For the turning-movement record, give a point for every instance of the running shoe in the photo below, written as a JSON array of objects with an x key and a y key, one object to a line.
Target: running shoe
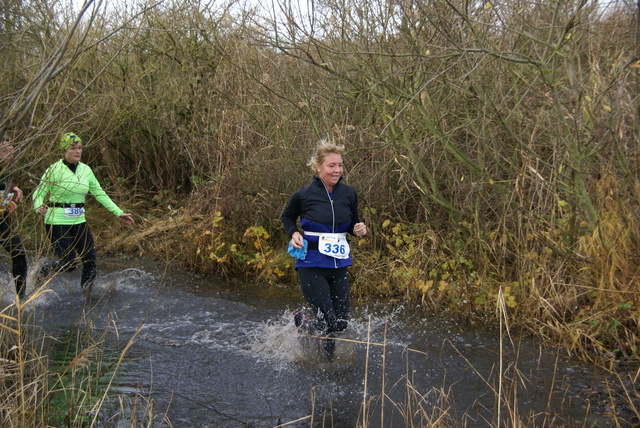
[
  {"x": 48, "y": 268},
  {"x": 87, "y": 290},
  {"x": 303, "y": 323},
  {"x": 297, "y": 318}
]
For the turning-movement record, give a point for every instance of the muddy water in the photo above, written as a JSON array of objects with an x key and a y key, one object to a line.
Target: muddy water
[{"x": 218, "y": 354}]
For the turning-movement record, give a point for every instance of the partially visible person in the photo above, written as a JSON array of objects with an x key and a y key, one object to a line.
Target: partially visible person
[
  {"x": 60, "y": 198},
  {"x": 10, "y": 194},
  {"x": 328, "y": 210}
]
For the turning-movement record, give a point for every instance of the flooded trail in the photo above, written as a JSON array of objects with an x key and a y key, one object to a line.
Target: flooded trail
[{"x": 212, "y": 353}]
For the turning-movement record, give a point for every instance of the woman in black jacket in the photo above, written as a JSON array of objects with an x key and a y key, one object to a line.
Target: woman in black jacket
[
  {"x": 328, "y": 210},
  {"x": 10, "y": 194}
]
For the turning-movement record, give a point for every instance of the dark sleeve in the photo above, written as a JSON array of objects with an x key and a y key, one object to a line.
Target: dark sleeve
[
  {"x": 291, "y": 213},
  {"x": 4, "y": 181}
]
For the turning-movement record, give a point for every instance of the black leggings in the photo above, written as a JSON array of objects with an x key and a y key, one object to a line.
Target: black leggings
[
  {"x": 71, "y": 241},
  {"x": 327, "y": 291},
  {"x": 11, "y": 242}
]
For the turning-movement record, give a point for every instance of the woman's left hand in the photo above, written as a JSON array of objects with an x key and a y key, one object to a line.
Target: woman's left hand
[
  {"x": 127, "y": 218},
  {"x": 42, "y": 209},
  {"x": 360, "y": 229}
]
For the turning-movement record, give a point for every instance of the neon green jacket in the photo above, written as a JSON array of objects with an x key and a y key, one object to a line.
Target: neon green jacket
[{"x": 65, "y": 187}]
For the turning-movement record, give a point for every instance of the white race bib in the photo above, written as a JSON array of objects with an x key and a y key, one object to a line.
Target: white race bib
[
  {"x": 73, "y": 212},
  {"x": 334, "y": 245}
]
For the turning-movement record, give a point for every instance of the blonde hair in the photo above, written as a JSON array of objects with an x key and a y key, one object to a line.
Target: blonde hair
[{"x": 324, "y": 148}]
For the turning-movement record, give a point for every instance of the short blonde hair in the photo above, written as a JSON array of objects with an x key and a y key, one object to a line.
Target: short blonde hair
[{"x": 324, "y": 148}]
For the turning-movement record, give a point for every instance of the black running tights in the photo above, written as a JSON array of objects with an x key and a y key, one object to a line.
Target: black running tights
[
  {"x": 11, "y": 242},
  {"x": 71, "y": 241},
  {"x": 327, "y": 291}
]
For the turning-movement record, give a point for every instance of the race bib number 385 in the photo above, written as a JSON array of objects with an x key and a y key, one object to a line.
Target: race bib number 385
[
  {"x": 73, "y": 212},
  {"x": 334, "y": 245}
]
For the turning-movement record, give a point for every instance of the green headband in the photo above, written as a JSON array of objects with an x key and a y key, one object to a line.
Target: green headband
[{"x": 68, "y": 139}]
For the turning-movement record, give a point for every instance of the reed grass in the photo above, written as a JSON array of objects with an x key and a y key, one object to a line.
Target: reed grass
[
  {"x": 59, "y": 381},
  {"x": 24, "y": 370},
  {"x": 437, "y": 407}
]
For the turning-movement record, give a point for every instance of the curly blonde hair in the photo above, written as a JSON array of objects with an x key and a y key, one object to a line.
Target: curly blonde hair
[{"x": 324, "y": 148}]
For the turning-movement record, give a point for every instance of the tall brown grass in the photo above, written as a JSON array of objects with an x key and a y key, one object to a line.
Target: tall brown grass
[
  {"x": 505, "y": 388},
  {"x": 23, "y": 372},
  {"x": 58, "y": 381}
]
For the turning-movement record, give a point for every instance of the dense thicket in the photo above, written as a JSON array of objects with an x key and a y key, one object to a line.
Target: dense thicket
[{"x": 494, "y": 144}]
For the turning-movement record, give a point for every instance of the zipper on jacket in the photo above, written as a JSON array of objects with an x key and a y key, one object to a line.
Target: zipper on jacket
[{"x": 333, "y": 218}]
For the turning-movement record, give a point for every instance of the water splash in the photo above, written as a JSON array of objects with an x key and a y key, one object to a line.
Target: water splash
[{"x": 279, "y": 341}]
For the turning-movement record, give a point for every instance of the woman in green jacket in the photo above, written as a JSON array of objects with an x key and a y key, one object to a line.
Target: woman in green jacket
[{"x": 60, "y": 199}]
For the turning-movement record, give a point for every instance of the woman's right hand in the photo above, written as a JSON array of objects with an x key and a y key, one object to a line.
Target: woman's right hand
[
  {"x": 297, "y": 241},
  {"x": 42, "y": 209}
]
